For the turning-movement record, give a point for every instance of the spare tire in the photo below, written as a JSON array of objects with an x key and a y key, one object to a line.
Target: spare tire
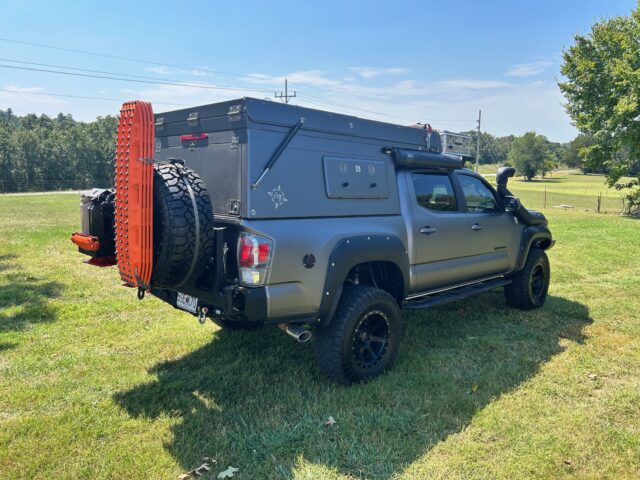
[{"x": 183, "y": 234}]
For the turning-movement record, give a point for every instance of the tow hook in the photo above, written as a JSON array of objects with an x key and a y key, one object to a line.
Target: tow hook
[
  {"x": 298, "y": 332},
  {"x": 202, "y": 315}
]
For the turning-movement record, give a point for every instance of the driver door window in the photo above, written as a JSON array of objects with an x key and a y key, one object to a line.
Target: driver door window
[{"x": 479, "y": 198}]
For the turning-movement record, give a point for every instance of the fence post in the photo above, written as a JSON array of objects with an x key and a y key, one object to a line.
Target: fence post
[
  {"x": 599, "y": 202},
  {"x": 545, "y": 197}
]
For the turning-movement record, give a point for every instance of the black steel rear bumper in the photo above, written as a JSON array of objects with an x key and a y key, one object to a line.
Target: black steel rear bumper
[
  {"x": 224, "y": 300},
  {"x": 234, "y": 303}
]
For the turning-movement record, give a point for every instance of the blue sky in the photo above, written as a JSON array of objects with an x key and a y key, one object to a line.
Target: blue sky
[{"x": 396, "y": 61}]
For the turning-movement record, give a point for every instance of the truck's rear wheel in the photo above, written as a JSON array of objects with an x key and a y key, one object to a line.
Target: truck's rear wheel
[
  {"x": 528, "y": 288},
  {"x": 182, "y": 226},
  {"x": 363, "y": 339}
]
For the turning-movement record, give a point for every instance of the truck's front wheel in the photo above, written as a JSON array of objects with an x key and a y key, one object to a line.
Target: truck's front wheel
[
  {"x": 528, "y": 288},
  {"x": 363, "y": 339}
]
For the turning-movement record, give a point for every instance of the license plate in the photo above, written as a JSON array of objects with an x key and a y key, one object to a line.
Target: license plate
[{"x": 187, "y": 302}]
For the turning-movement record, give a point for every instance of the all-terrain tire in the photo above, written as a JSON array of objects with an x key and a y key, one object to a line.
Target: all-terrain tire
[
  {"x": 529, "y": 287},
  {"x": 341, "y": 347},
  {"x": 182, "y": 246}
]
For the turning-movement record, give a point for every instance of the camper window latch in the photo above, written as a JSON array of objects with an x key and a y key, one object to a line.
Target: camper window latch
[{"x": 278, "y": 152}]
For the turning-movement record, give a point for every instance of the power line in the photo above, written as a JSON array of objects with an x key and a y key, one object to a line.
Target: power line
[
  {"x": 344, "y": 110},
  {"x": 217, "y": 72},
  {"x": 133, "y": 80},
  {"x": 144, "y": 77},
  {"x": 85, "y": 97},
  {"x": 329, "y": 103},
  {"x": 100, "y": 74},
  {"x": 349, "y": 93},
  {"x": 492, "y": 148},
  {"x": 489, "y": 149},
  {"x": 118, "y": 57},
  {"x": 341, "y": 109}
]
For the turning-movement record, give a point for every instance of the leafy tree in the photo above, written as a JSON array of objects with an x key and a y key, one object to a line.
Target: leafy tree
[
  {"x": 603, "y": 98},
  {"x": 572, "y": 155},
  {"x": 43, "y": 153},
  {"x": 528, "y": 154}
]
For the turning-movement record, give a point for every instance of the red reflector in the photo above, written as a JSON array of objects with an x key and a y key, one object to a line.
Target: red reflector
[
  {"x": 246, "y": 253},
  {"x": 191, "y": 138},
  {"x": 263, "y": 252}
]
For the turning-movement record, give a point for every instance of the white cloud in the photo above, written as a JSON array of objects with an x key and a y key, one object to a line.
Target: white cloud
[
  {"x": 160, "y": 70},
  {"x": 23, "y": 100},
  {"x": 371, "y": 72},
  {"x": 470, "y": 84},
  {"x": 316, "y": 78},
  {"x": 528, "y": 69}
]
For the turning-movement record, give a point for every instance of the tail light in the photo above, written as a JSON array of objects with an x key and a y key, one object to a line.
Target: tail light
[{"x": 254, "y": 255}]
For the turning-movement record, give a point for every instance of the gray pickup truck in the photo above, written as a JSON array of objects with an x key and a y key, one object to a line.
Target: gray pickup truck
[{"x": 323, "y": 224}]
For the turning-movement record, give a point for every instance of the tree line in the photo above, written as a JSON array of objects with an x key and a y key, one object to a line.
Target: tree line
[
  {"x": 533, "y": 154},
  {"x": 43, "y": 153}
]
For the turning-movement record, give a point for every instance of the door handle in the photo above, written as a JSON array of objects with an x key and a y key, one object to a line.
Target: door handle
[
  {"x": 428, "y": 230},
  {"x": 477, "y": 227}
]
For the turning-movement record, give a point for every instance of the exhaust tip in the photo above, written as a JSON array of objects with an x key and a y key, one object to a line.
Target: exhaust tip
[
  {"x": 304, "y": 336},
  {"x": 298, "y": 332}
]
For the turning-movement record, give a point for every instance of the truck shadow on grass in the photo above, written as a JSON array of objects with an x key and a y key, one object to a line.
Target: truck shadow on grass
[
  {"x": 255, "y": 400},
  {"x": 24, "y": 298}
]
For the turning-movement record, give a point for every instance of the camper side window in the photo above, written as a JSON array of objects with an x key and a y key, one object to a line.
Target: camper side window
[{"x": 435, "y": 192}]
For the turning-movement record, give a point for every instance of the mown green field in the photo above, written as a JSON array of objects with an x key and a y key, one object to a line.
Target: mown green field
[
  {"x": 565, "y": 189},
  {"x": 95, "y": 384}
]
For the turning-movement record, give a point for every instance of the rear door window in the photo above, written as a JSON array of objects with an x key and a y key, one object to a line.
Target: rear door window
[{"x": 434, "y": 192}]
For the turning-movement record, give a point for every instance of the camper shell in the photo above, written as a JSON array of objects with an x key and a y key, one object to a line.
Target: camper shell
[{"x": 332, "y": 165}]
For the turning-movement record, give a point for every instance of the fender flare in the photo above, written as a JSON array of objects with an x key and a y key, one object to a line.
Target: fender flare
[
  {"x": 352, "y": 251},
  {"x": 533, "y": 235}
]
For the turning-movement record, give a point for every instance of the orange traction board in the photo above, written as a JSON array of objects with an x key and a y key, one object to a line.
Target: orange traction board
[{"x": 134, "y": 193}]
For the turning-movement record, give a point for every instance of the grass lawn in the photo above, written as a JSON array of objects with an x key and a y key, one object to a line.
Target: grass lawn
[
  {"x": 95, "y": 384},
  {"x": 564, "y": 188}
]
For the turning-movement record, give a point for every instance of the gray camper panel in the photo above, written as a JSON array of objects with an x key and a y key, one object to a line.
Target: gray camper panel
[
  {"x": 218, "y": 158},
  {"x": 297, "y": 186}
]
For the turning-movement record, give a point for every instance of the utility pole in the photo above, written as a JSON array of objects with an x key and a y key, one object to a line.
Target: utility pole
[
  {"x": 286, "y": 95},
  {"x": 478, "y": 141}
]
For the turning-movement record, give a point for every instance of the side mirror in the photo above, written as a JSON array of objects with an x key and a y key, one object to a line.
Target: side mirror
[{"x": 511, "y": 203}]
